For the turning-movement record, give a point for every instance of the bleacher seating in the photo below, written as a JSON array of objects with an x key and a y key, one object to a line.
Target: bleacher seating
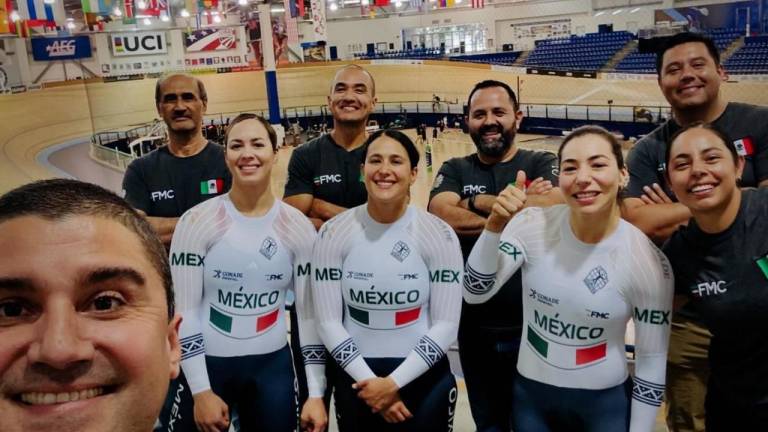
[
  {"x": 583, "y": 53},
  {"x": 645, "y": 63},
  {"x": 416, "y": 53},
  {"x": 637, "y": 62},
  {"x": 502, "y": 58},
  {"x": 592, "y": 51},
  {"x": 752, "y": 58}
]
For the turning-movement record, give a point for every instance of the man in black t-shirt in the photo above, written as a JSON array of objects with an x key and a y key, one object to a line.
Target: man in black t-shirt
[
  {"x": 689, "y": 75},
  {"x": 463, "y": 193},
  {"x": 189, "y": 170},
  {"x": 169, "y": 181},
  {"x": 324, "y": 174}
]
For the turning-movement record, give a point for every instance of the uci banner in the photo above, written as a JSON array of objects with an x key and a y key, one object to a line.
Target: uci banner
[
  {"x": 144, "y": 43},
  {"x": 63, "y": 48}
]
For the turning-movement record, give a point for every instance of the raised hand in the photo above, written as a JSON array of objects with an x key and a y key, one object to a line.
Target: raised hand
[{"x": 509, "y": 202}]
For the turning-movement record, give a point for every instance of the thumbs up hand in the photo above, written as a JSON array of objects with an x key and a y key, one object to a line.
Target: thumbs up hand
[{"x": 509, "y": 202}]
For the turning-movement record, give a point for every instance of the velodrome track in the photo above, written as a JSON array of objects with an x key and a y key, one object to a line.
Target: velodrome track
[
  {"x": 34, "y": 121},
  {"x": 37, "y": 126}
]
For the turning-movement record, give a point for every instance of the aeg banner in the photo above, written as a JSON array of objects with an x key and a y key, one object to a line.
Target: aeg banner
[
  {"x": 64, "y": 48},
  {"x": 144, "y": 43}
]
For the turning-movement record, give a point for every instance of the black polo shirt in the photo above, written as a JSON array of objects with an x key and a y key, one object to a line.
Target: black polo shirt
[
  {"x": 327, "y": 171},
  {"x": 163, "y": 185}
]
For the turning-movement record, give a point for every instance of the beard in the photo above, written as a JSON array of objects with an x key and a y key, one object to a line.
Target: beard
[{"x": 495, "y": 148}]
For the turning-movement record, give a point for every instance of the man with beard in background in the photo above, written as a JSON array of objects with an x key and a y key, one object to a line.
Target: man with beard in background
[{"x": 464, "y": 191}]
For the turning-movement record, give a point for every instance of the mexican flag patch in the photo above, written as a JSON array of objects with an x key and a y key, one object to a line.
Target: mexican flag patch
[
  {"x": 744, "y": 146},
  {"x": 211, "y": 187}
]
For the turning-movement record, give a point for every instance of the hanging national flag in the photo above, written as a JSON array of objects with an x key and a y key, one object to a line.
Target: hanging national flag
[
  {"x": 191, "y": 6},
  {"x": 478, "y": 4},
  {"x": 745, "y": 146},
  {"x": 156, "y": 7},
  {"x": 22, "y": 28},
  {"x": 301, "y": 7},
  {"x": 442, "y": 3},
  {"x": 381, "y": 3},
  {"x": 90, "y": 6},
  {"x": 40, "y": 25},
  {"x": 106, "y": 6},
  {"x": 211, "y": 187},
  {"x": 450, "y": 3},
  {"x": 128, "y": 8},
  {"x": 5, "y": 16},
  {"x": 291, "y": 8},
  {"x": 210, "y": 40},
  {"x": 291, "y": 23}
]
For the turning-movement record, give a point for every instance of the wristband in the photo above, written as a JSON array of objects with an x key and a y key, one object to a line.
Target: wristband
[{"x": 471, "y": 203}]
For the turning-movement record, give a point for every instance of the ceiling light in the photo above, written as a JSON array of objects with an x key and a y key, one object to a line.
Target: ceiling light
[
  {"x": 15, "y": 16},
  {"x": 600, "y": 13},
  {"x": 618, "y": 11},
  {"x": 117, "y": 12},
  {"x": 141, "y": 4},
  {"x": 71, "y": 25},
  {"x": 164, "y": 18},
  {"x": 398, "y": 3},
  {"x": 217, "y": 19},
  {"x": 184, "y": 13},
  {"x": 634, "y": 10},
  {"x": 242, "y": 2},
  {"x": 334, "y": 6}
]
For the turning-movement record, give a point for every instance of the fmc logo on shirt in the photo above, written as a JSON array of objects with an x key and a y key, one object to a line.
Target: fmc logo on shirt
[
  {"x": 326, "y": 178},
  {"x": 706, "y": 289},
  {"x": 473, "y": 189},
  {"x": 162, "y": 195}
]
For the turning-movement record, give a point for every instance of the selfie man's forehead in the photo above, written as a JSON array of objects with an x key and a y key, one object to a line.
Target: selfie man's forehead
[{"x": 86, "y": 248}]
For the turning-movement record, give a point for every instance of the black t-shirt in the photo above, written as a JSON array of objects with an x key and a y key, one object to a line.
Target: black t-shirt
[
  {"x": 467, "y": 176},
  {"x": 721, "y": 274},
  {"x": 163, "y": 185},
  {"x": 327, "y": 171},
  {"x": 745, "y": 124}
]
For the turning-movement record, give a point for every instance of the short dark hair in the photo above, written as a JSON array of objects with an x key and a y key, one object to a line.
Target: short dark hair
[
  {"x": 403, "y": 139},
  {"x": 492, "y": 83},
  {"x": 160, "y": 81},
  {"x": 59, "y": 198},
  {"x": 719, "y": 133},
  {"x": 250, "y": 116},
  {"x": 683, "y": 38}
]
